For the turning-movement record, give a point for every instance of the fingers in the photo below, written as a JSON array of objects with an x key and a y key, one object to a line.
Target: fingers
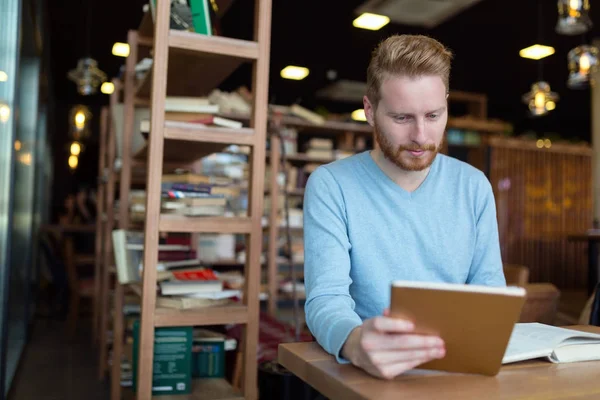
[
  {"x": 391, "y": 325},
  {"x": 384, "y": 358},
  {"x": 391, "y": 371},
  {"x": 373, "y": 341}
]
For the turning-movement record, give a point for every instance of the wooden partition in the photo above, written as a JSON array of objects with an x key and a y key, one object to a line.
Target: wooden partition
[{"x": 542, "y": 195}]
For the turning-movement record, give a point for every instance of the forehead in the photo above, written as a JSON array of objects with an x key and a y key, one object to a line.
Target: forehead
[{"x": 413, "y": 94}]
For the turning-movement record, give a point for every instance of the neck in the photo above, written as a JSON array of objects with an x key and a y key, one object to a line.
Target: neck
[{"x": 407, "y": 180}]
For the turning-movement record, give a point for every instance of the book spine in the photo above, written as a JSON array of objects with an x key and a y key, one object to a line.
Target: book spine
[{"x": 201, "y": 17}]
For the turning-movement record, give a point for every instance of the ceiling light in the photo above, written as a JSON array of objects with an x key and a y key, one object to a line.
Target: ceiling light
[
  {"x": 107, "y": 88},
  {"x": 540, "y": 99},
  {"x": 573, "y": 17},
  {"x": 359, "y": 115},
  {"x": 583, "y": 63},
  {"x": 3, "y": 76},
  {"x": 294, "y": 72},
  {"x": 120, "y": 49},
  {"x": 536, "y": 52},
  {"x": 370, "y": 21},
  {"x": 73, "y": 161}
]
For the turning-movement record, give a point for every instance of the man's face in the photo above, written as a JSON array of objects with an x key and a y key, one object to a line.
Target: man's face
[{"x": 410, "y": 120}]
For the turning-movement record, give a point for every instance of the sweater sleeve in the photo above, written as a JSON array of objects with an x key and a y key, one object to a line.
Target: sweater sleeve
[
  {"x": 486, "y": 266},
  {"x": 329, "y": 308}
]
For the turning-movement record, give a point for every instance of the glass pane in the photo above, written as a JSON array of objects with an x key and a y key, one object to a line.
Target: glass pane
[{"x": 10, "y": 11}]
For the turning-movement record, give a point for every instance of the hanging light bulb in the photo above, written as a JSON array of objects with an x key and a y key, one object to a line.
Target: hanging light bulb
[
  {"x": 540, "y": 99},
  {"x": 583, "y": 63},
  {"x": 75, "y": 148},
  {"x": 79, "y": 122},
  {"x": 87, "y": 76},
  {"x": 573, "y": 17},
  {"x": 73, "y": 161}
]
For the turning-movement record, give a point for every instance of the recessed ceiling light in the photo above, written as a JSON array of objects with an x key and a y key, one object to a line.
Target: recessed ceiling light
[
  {"x": 359, "y": 115},
  {"x": 294, "y": 72},
  {"x": 107, "y": 88},
  {"x": 537, "y": 52},
  {"x": 370, "y": 21},
  {"x": 120, "y": 49},
  {"x": 3, "y": 76}
]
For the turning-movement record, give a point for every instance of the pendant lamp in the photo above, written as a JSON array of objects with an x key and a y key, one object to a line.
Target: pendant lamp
[
  {"x": 87, "y": 76},
  {"x": 540, "y": 99},
  {"x": 583, "y": 63},
  {"x": 573, "y": 17}
]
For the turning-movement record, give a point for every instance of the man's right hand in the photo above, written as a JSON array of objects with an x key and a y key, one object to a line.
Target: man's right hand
[{"x": 387, "y": 347}]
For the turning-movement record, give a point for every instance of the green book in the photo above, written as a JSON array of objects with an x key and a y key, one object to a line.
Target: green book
[
  {"x": 201, "y": 17},
  {"x": 172, "y": 362},
  {"x": 208, "y": 358}
]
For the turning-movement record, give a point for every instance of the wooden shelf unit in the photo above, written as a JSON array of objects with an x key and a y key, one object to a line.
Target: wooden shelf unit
[
  {"x": 100, "y": 220},
  {"x": 106, "y": 201},
  {"x": 189, "y": 64},
  {"x": 344, "y": 133},
  {"x": 189, "y": 53}
]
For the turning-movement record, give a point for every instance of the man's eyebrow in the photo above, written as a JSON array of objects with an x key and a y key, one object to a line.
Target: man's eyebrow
[
  {"x": 395, "y": 113},
  {"x": 439, "y": 110}
]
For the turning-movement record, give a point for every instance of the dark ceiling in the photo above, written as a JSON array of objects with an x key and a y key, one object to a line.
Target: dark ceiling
[{"x": 485, "y": 39}]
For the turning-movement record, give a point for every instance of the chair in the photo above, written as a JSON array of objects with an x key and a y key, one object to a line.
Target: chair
[
  {"x": 541, "y": 302},
  {"x": 79, "y": 287},
  {"x": 516, "y": 275}
]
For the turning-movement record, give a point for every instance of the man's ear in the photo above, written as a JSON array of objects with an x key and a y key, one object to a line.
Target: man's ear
[{"x": 369, "y": 111}]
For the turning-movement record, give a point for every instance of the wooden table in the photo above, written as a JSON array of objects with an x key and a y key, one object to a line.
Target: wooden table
[{"x": 524, "y": 380}]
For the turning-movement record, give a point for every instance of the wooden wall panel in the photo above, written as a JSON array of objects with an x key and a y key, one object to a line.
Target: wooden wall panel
[{"x": 542, "y": 195}]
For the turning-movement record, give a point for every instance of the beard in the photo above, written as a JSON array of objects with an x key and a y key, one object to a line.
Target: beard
[{"x": 399, "y": 154}]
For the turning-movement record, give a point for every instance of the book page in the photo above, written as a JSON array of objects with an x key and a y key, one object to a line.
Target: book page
[{"x": 533, "y": 340}]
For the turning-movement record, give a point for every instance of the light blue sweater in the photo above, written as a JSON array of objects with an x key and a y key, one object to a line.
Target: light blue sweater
[{"x": 362, "y": 231}]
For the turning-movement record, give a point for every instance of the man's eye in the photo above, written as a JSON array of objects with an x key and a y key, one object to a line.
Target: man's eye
[
  {"x": 400, "y": 118},
  {"x": 433, "y": 116}
]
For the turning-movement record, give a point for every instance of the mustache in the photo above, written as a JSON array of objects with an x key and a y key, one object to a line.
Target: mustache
[{"x": 416, "y": 147}]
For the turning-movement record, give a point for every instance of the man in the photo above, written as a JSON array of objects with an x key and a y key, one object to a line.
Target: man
[{"x": 399, "y": 212}]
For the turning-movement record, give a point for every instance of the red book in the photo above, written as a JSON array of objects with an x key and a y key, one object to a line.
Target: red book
[{"x": 206, "y": 274}]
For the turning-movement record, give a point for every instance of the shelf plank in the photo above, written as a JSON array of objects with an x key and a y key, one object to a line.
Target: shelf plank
[
  {"x": 191, "y": 132},
  {"x": 303, "y": 158},
  {"x": 179, "y": 223},
  {"x": 234, "y": 314},
  {"x": 199, "y": 63},
  {"x": 207, "y": 389},
  {"x": 332, "y": 128},
  {"x": 218, "y": 45}
]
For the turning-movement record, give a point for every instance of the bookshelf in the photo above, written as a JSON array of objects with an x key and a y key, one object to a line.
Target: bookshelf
[
  {"x": 108, "y": 179},
  {"x": 178, "y": 59},
  {"x": 100, "y": 220},
  {"x": 344, "y": 135}
]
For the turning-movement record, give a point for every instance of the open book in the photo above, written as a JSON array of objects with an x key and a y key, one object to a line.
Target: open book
[{"x": 559, "y": 345}]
